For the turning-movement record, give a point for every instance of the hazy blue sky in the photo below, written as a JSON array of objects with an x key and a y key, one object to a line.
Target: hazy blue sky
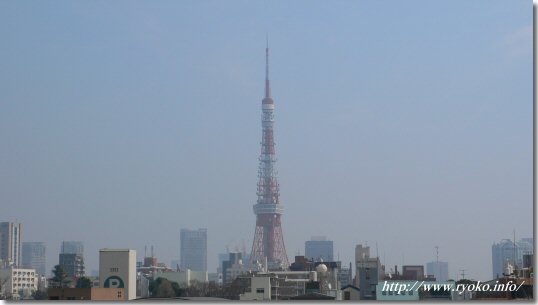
[{"x": 406, "y": 123}]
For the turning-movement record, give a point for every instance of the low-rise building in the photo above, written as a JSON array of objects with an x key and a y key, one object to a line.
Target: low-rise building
[
  {"x": 183, "y": 277},
  {"x": 90, "y": 294},
  {"x": 18, "y": 283}
]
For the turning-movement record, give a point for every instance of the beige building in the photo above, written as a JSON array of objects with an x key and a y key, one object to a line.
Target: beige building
[
  {"x": 94, "y": 294},
  {"x": 117, "y": 269},
  {"x": 18, "y": 283},
  {"x": 260, "y": 290}
]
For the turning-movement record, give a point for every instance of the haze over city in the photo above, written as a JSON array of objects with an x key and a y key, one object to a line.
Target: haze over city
[{"x": 401, "y": 124}]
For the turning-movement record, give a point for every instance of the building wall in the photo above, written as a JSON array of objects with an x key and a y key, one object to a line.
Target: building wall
[
  {"x": 394, "y": 296},
  {"x": 18, "y": 283},
  {"x": 11, "y": 243},
  {"x": 72, "y": 247},
  {"x": 73, "y": 264},
  {"x": 193, "y": 249},
  {"x": 319, "y": 250},
  {"x": 117, "y": 269},
  {"x": 94, "y": 294},
  {"x": 34, "y": 255},
  {"x": 260, "y": 290}
]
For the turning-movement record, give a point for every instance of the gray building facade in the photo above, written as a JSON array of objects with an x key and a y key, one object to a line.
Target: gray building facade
[
  {"x": 193, "y": 249},
  {"x": 34, "y": 256},
  {"x": 319, "y": 248}
]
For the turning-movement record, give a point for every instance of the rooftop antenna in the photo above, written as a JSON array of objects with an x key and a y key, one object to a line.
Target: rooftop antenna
[
  {"x": 515, "y": 248},
  {"x": 376, "y": 250},
  {"x": 146, "y": 251},
  {"x": 151, "y": 250},
  {"x": 267, "y": 86}
]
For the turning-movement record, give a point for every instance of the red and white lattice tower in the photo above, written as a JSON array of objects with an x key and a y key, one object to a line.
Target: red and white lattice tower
[{"x": 268, "y": 239}]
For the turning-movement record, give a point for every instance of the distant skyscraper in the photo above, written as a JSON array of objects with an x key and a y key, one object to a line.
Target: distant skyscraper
[
  {"x": 438, "y": 269},
  {"x": 72, "y": 247},
  {"x": 11, "y": 243},
  {"x": 506, "y": 252},
  {"x": 72, "y": 258},
  {"x": 193, "y": 249},
  {"x": 317, "y": 248},
  {"x": 34, "y": 255},
  {"x": 268, "y": 242},
  {"x": 73, "y": 264}
]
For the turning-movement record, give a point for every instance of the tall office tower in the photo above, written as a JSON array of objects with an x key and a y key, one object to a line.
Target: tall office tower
[
  {"x": 268, "y": 240},
  {"x": 72, "y": 247},
  {"x": 193, "y": 250},
  {"x": 507, "y": 252},
  {"x": 72, "y": 258},
  {"x": 319, "y": 248},
  {"x": 34, "y": 255},
  {"x": 11, "y": 243}
]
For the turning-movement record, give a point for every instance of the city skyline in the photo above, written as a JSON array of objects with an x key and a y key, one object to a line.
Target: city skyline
[{"x": 123, "y": 126}]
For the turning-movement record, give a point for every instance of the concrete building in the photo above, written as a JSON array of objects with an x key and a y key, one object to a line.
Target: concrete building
[
  {"x": 11, "y": 244},
  {"x": 18, "y": 283},
  {"x": 34, "y": 256},
  {"x": 87, "y": 294},
  {"x": 260, "y": 290},
  {"x": 506, "y": 251},
  {"x": 368, "y": 272},
  {"x": 73, "y": 264},
  {"x": 319, "y": 248},
  {"x": 193, "y": 249},
  {"x": 117, "y": 269},
  {"x": 277, "y": 285},
  {"x": 439, "y": 270}
]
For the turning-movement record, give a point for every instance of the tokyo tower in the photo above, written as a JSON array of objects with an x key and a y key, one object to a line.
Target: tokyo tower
[{"x": 268, "y": 240}]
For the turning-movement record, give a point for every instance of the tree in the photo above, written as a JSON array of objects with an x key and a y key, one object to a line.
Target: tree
[
  {"x": 83, "y": 282},
  {"x": 60, "y": 276},
  {"x": 163, "y": 288}
]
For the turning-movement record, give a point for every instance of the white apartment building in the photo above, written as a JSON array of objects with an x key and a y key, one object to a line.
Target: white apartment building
[{"x": 18, "y": 283}]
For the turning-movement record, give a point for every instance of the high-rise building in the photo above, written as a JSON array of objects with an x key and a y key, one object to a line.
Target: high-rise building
[
  {"x": 319, "y": 248},
  {"x": 34, "y": 256},
  {"x": 506, "y": 252},
  {"x": 438, "y": 269},
  {"x": 72, "y": 247},
  {"x": 193, "y": 249},
  {"x": 73, "y": 264},
  {"x": 11, "y": 243},
  {"x": 268, "y": 242},
  {"x": 117, "y": 269}
]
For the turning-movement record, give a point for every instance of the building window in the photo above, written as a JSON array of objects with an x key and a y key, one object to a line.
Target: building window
[
  {"x": 347, "y": 295},
  {"x": 260, "y": 290},
  {"x": 384, "y": 293},
  {"x": 113, "y": 269},
  {"x": 410, "y": 292},
  {"x": 119, "y": 294}
]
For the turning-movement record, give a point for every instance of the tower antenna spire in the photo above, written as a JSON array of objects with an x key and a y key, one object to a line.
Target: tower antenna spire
[{"x": 267, "y": 85}]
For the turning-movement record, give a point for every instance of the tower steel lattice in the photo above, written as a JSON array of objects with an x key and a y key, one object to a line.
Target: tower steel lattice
[{"x": 268, "y": 240}]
